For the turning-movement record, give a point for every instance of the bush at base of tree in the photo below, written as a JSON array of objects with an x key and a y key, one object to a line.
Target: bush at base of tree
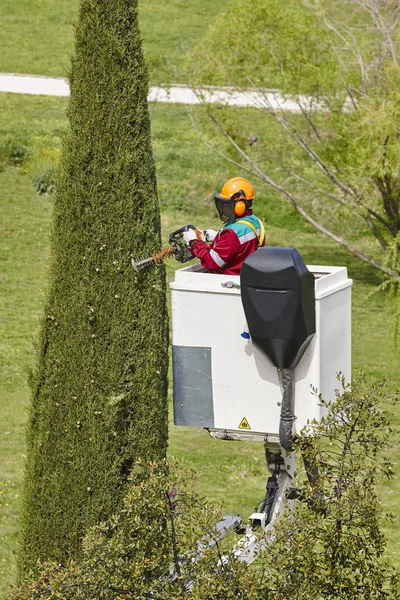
[{"x": 331, "y": 548}]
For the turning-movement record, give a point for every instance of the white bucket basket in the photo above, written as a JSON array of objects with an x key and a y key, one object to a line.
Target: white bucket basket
[{"x": 222, "y": 382}]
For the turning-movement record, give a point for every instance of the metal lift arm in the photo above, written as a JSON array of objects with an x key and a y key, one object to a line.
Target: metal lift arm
[{"x": 251, "y": 544}]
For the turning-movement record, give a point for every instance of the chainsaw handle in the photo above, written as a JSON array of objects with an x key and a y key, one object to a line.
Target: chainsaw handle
[
  {"x": 177, "y": 235},
  {"x": 181, "y": 251}
]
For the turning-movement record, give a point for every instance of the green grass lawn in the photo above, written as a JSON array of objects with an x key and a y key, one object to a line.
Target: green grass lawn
[
  {"x": 231, "y": 473},
  {"x": 36, "y": 36}
]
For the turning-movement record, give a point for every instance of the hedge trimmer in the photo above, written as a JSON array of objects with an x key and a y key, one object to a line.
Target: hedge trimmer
[{"x": 176, "y": 248}]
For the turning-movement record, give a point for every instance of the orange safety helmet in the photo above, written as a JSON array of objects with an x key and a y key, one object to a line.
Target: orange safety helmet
[{"x": 235, "y": 199}]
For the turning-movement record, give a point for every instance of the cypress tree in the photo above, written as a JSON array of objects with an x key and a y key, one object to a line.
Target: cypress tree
[{"x": 99, "y": 389}]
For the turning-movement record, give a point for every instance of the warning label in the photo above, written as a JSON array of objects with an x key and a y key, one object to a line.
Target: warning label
[{"x": 244, "y": 424}]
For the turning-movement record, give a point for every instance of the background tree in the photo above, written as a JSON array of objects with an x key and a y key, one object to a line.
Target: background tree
[
  {"x": 100, "y": 385},
  {"x": 336, "y": 157}
]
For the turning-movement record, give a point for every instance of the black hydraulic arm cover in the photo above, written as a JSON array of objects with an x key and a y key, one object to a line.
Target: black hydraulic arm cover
[{"x": 279, "y": 303}]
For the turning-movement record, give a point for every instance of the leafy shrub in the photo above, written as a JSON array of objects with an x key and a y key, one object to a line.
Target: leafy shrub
[
  {"x": 19, "y": 154},
  {"x": 45, "y": 179},
  {"x": 333, "y": 547},
  {"x": 13, "y": 153}
]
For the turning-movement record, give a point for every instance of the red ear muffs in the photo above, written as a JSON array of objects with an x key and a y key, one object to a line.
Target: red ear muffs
[{"x": 240, "y": 208}]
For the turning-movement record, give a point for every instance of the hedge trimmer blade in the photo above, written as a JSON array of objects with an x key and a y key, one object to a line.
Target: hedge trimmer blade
[
  {"x": 138, "y": 264},
  {"x": 154, "y": 259}
]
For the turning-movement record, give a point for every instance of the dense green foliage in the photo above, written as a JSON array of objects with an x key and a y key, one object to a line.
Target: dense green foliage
[
  {"x": 99, "y": 388},
  {"x": 332, "y": 548},
  {"x": 251, "y": 53}
]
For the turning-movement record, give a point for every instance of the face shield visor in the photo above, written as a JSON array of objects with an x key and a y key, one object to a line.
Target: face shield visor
[{"x": 225, "y": 208}]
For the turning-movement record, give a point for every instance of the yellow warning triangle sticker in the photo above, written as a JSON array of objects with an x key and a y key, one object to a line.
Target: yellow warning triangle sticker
[{"x": 244, "y": 424}]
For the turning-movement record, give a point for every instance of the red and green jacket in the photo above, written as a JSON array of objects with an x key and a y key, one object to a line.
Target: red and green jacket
[{"x": 231, "y": 246}]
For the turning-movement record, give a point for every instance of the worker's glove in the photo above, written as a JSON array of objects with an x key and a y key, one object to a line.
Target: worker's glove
[
  {"x": 189, "y": 236},
  {"x": 209, "y": 235}
]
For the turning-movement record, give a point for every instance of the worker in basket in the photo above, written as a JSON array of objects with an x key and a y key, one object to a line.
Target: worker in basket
[{"x": 224, "y": 251}]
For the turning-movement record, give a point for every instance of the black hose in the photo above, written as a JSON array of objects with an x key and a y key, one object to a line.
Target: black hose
[{"x": 287, "y": 410}]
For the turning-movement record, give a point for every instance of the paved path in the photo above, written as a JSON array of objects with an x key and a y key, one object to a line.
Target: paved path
[{"x": 175, "y": 94}]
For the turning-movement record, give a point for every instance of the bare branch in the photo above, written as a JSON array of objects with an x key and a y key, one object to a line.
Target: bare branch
[
  {"x": 214, "y": 149},
  {"x": 354, "y": 48},
  {"x": 311, "y": 123},
  {"x": 173, "y": 536},
  {"x": 236, "y": 146},
  {"x": 353, "y": 197},
  {"x": 349, "y": 90},
  {"x": 283, "y": 120},
  {"x": 313, "y": 126},
  {"x": 375, "y": 232},
  {"x": 381, "y": 220},
  {"x": 382, "y": 28},
  {"x": 339, "y": 240},
  {"x": 310, "y": 184}
]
